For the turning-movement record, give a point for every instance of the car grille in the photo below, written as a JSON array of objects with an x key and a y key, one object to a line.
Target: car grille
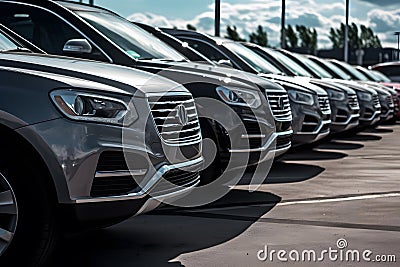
[
  {"x": 353, "y": 102},
  {"x": 283, "y": 141},
  {"x": 113, "y": 186},
  {"x": 175, "y": 178},
  {"x": 389, "y": 101},
  {"x": 324, "y": 104},
  {"x": 375, "y": 101},
  {"x": 280, "y": 106},
  {"x": 172, "y": 129}
]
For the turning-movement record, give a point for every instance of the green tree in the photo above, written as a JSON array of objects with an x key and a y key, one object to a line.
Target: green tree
[
  {"x": 291, "y": 37},
  {"x": 308, "y": 37},
  {"x": 359, "y": 37},
  {"x": 233, "y": 34},
  {"x": 259, "y": 37},
  {"x": 191, "y": 27}
]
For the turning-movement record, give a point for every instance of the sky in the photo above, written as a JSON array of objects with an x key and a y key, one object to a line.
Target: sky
[{"x": 383, "y": 16}]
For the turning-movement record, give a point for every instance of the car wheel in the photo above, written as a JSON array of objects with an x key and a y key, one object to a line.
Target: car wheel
[
  {"x": 27, "y": 219},
  {"x": 213, "y": 169}
]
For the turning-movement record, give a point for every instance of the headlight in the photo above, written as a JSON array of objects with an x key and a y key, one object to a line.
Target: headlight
[
  {"x": 364, "y": 96},
  {"x": 84, "y": 106},
  {"x": 239, "y": 97},
  {"x": 301, "y": 98},
  {"x": 335, "y": 95}
]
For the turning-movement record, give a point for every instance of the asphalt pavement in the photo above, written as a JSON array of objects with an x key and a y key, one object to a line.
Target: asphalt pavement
[{"x": 335, "y": 205}]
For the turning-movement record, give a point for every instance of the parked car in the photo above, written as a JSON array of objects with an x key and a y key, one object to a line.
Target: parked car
[
  {"x": 309, "y": 103},
  {"x": 276, "y": 96},
  {"x": 368, "y": 98},
  {"x": 84, "y": 31},
  {"x": 81, "y": 146},
  {"x": 343, "y": 100},
  {"x": 386, "y": 95},
  {"x": 376, "y": 76},
  {"x": 389, "y": 69}
]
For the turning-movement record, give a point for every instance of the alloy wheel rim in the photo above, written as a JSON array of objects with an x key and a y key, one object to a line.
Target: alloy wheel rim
[{"x": 8, "y": 214}]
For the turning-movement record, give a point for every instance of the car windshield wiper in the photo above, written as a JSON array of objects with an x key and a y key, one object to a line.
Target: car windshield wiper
[{"x": 18, "y": 49}]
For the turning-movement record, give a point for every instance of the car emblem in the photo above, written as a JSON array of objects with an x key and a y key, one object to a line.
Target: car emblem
[
  {"x": 326, "y": 103},
  {"x": 182, "y": 115},
  {"x": 281, "y": 103}
]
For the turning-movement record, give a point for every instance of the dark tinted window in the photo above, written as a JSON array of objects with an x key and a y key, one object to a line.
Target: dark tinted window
[
  {"x": 207, "y": 50},
  {"x": 42, "y": 28}
]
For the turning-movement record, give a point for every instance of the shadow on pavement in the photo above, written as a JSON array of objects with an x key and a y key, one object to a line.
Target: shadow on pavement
[
  {"x": 285, "y": 172},
  {"x": 313, "y": 155},
  {"x": 334, "y": 145},
  {"x": 157, "y": 238},
  {"x": 361, "y": 137},
  {"x": 379, "y": 130}
]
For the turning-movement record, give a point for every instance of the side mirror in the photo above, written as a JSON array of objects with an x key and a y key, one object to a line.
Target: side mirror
[
  {"x": 77, "y": 46},
  {"x": 225, "y": 63}
]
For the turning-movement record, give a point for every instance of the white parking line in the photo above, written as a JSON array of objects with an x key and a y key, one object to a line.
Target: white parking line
[
  {"x": 341, "y": 199},
  {"x": 301, "y": 202}
]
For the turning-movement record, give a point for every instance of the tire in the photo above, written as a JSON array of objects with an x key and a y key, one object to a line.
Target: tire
[
  {"x": 214, "y": 169},
  {"x": 34, "y": 223}
]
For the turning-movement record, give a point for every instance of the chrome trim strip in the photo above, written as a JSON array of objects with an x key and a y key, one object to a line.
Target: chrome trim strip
[
  {"x": 151, "y": 184},
  {"x": 323, "y": 123},
  {"x": 120, "y": 173},
  {"x": 265, "y": 147},
  {"x": 248, "y": 136},
  {"x": 351, "y": 117}
]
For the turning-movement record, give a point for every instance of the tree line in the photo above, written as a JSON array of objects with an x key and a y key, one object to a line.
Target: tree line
[{"x": 300, "y": 36}]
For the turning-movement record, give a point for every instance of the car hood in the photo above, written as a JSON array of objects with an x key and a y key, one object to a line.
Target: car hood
[
  {"x": 122, "y": 79},
  {"x": 332, "y": 84},
  {"x": 186, "y": 72},
  {"x": 356, "y": 86},
  {"x": 301, "y": 82}
]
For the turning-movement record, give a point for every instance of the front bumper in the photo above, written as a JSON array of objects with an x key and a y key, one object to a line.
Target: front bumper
[{"x": 269, "y": 150}]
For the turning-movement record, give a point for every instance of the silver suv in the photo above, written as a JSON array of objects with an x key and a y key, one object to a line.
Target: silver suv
[{"x": 86, "y": 143}]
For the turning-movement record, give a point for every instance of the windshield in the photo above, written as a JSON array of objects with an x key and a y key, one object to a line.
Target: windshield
[
  {"x": 6, "y": 43},
  {"x": 382, "y": 77},
  {"x": 252, "y": 58},
  {"x": 341, "y": 74},
  {"x": 313, "y": 66},
  {"x": 369, "y": 74},
  {"x": 353, "y": 72},
  {"x": 136, "y": 42},
  {"x": 290, "y": 64}
]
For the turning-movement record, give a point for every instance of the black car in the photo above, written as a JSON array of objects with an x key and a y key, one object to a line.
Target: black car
[
  {"x": 343, "y": 100},
  {"x": 386, "y": 95},
  {"x": 368, "y": 98},
  {"x": 310, "y": 104},
  {"x": 89, "y": 32}
]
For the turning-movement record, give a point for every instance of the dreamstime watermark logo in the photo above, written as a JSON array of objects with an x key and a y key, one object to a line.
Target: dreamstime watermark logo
[{"x": 340, "y": 253}]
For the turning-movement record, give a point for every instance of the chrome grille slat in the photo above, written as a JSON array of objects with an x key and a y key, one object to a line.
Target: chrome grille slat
[
  {"x": 375, "y": 100},
  {"x": 164, "y": 113},
  {"x": 353, "y": 101},
  {"x": 324, "y": 104},
  {"x": 280, "y": 112}
]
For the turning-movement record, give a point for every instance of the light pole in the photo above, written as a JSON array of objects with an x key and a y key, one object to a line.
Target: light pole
[
  {"x": 346, "y": 34},
  {"x": 217, "y": 17},
  {"x": 91, "y": 2},
  {"x": 398, "y": 44},
  {"x": 283, "y": 30}
]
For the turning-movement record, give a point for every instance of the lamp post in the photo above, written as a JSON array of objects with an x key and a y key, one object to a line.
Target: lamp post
[
  {"x": 346, "y": 33},
  {"x": 283, "y": 30},
  {"x": 398, "y": 45},
  {"x": 217, "y": 17}
]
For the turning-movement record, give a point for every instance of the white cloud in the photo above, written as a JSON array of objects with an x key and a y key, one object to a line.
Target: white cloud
[{"x": 246, "y": 17}]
